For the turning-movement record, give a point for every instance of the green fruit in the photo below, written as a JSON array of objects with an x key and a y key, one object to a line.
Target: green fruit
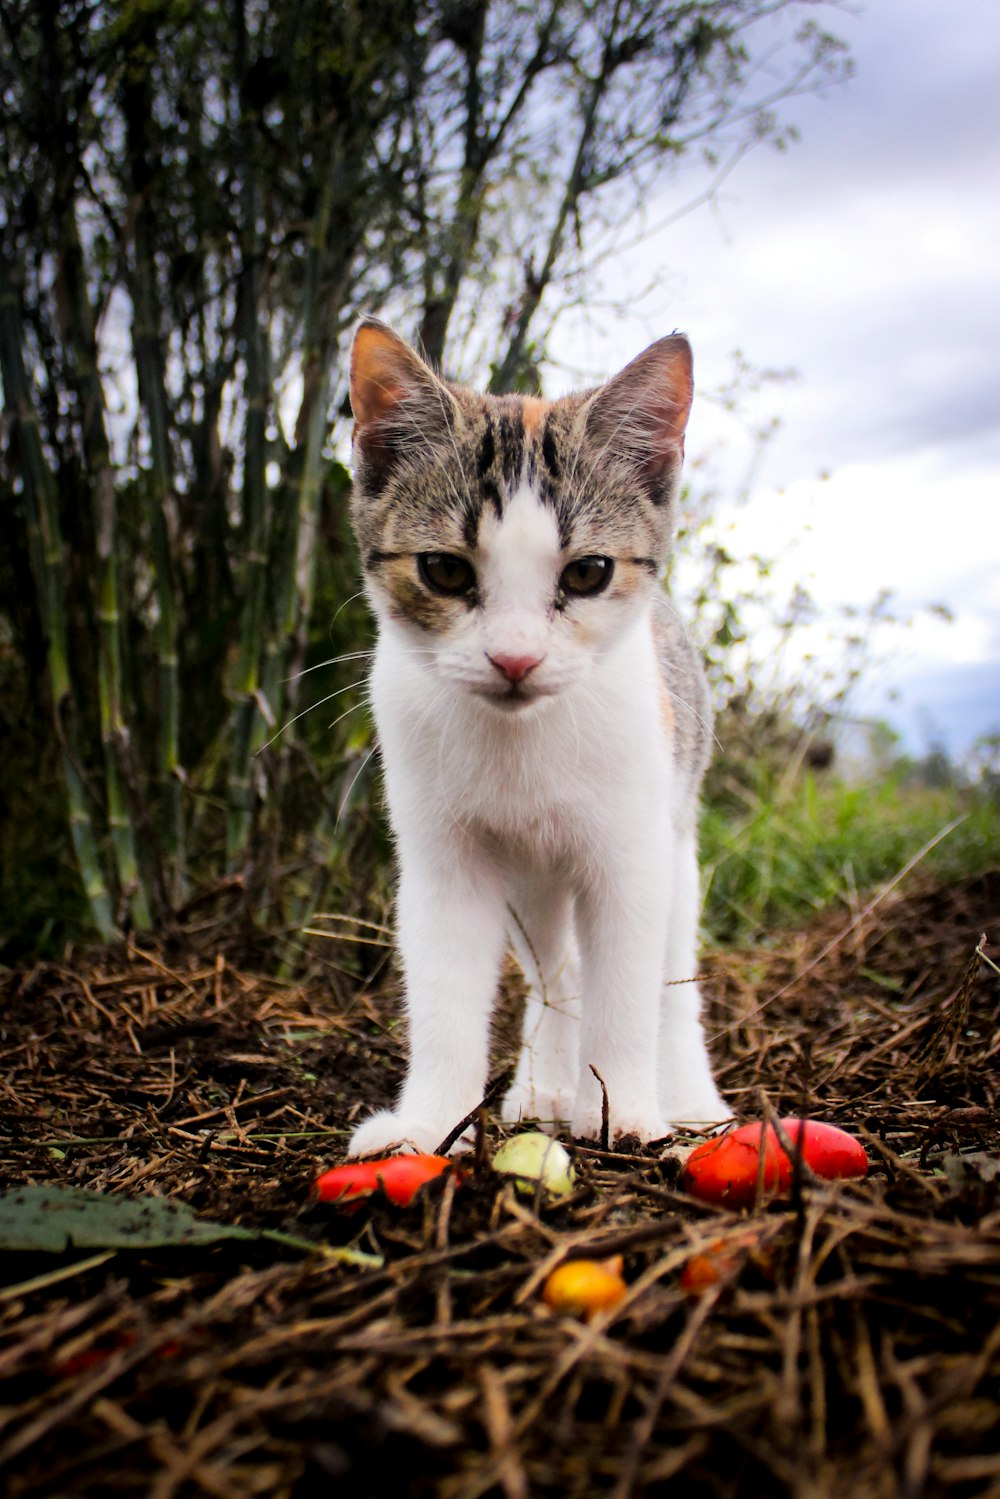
[{"x": 535, "y": 1158}]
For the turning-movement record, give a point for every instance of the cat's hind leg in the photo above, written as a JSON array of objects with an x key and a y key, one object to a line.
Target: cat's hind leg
[
  {"x": 542, "y": 936},
  {"x": 688, "y": 1094}
]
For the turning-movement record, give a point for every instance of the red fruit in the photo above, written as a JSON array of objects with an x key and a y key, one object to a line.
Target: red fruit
[
  {"x": 98, "y": 1353},
  {"x": 399, "y": 1176},
  {"x": 724, "y": 1170},
  {"x": 720, "y": 1259}
]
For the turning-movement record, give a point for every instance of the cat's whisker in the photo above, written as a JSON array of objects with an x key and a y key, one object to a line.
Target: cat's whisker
[
  {"x": 363, "y": 702},
  {"x": 333, "y": 661},
  {"x": 354, "y": 782},
  {"x": 312, "y": 706},
  {"x": 359, "y": 595}
]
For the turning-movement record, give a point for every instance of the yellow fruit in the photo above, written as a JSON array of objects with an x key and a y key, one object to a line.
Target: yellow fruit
[{"x": 582, "y": 1287}]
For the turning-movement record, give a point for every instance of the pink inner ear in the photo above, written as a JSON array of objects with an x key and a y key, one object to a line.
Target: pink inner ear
[
  {"x": 378, "y": 398},
  {"x": 668, "y": 419},
  {"x": 641, "y": 414},
  {"x": 380, "y": 363},
  {"x": 665, "y": 375}
]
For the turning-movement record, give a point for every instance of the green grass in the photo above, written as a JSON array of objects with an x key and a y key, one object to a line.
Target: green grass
[{"x": 799, "y": 849}]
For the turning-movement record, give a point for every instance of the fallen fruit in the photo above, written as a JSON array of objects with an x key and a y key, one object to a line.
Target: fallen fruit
[
  {"x": 580, "y": 1288},
  {"x": 400, "y": 1177},
  {"x": 534, "y": 1158},
  {"x": 97, "y": 1353},
  {"x": 725, "y": 1169},
  {"x": 719, "y": 1259}
]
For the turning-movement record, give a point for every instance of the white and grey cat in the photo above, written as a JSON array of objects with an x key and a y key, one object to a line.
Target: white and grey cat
[{"x": 544, "y": 725}]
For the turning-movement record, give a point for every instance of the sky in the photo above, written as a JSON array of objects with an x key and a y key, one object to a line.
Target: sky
[{"x": 867, "y": 259}]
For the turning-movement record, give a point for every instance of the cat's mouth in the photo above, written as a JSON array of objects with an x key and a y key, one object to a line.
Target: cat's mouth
[{"x": 515, "y": 698}]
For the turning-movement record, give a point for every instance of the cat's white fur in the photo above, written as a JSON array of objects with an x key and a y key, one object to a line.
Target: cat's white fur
[{"x": 555, "y": 822}]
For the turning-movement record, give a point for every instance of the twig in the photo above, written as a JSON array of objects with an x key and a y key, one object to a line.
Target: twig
[
  {"x": 605, "y": 1110},
  {"x": 943, "y": 1041},
  {"x": 499, "y": 1085}
]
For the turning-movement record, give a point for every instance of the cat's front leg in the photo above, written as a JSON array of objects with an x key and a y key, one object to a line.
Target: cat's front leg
[
  {"x": 621, "y": 925},
  {"x": 450, "y": 918},
  {"x": 544, "y": 942}
]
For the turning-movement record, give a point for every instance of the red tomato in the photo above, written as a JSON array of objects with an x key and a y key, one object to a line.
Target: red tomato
[
  {"x": 724, "y": 1170},
  {"x": 399, "y": 1176}
]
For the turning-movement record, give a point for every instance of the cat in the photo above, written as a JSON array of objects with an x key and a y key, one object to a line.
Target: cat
[{"x": 544, "y": 724}]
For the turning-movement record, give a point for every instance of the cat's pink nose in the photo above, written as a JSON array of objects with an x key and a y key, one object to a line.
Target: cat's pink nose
[{"x": 514, "y": 668}]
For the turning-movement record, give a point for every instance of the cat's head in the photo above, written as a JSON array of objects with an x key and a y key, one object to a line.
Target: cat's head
[{"x": 513, "y": 540}]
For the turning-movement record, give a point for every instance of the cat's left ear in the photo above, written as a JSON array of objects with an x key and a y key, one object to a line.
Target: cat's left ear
[
  {"x": 398, "y": 401},
  {"x": 640, "y": 415}
]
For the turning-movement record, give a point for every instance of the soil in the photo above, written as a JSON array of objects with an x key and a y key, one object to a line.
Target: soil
[{"x": 849, "y": 1347}]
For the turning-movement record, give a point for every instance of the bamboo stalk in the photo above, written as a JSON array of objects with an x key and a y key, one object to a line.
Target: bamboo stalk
[
  {"x": 247, "y": 722},
  {"x": 114, "y": 729},
  {"x": 331, "y": 250},
  {"x": 158, "y": 495},
  {"x": 295, "y": 551},
  {"x": 48, "y": 564},
  {"x": 73, "y": 293}
]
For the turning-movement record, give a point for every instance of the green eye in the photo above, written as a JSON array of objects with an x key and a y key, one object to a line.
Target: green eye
[
  {"x": 587, "y": 576},
  {"x": 445, "y": 573}
]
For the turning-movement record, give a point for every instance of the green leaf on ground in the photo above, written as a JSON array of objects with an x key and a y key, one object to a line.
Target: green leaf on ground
[
  {"x": 50, "y": 1220},
  {"x": 53, "y": 1219}
]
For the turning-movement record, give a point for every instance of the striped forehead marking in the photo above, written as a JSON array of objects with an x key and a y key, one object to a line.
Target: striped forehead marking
[
  {"x": 519, "y": 441},
  {"x": 503, "y": 458},
  {"x": 533, "y": 412}
]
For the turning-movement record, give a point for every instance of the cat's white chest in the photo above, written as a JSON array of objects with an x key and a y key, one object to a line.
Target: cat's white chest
[{"x": 552, "y": 781}]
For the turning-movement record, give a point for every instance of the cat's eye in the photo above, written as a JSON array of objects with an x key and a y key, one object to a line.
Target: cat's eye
[
  {"x": 587, "y": 576},
  {"x": 445, "y": 573}
]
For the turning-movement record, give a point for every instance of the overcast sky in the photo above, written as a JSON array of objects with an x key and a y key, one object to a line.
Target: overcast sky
[{"x": 868, "y": 258}]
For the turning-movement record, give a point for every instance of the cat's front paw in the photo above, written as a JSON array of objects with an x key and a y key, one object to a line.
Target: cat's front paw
[
  {"x": 389, "y": 1131},
  {"x": 645, "y": 1124},
  {"x": 697, "y": 1109},
  {"x": 549, "y": 1106}
]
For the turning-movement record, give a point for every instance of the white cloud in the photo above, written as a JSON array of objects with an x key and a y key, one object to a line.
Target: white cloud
[{"x": 901, "y": 525}]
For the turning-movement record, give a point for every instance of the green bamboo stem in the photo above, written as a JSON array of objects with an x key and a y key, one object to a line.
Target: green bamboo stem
[
  {"x": 247, "y": 721},
  {"x": 47, "y": 558},
  {"x": 114, "y": 730},
  {"x": 158, "y": 493},
  {"x": 81, "y": 342},
  {"x": 295, "y": 550}
]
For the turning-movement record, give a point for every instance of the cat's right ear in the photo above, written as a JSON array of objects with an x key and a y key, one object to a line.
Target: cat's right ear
[
  {"x": 640, "y": 415},
  {"x": 397, "y": 400}
]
